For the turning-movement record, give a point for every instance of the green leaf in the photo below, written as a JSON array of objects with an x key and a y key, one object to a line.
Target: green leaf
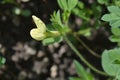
[
  {"x": 90, "y": 76},
  {"x": 80, "y": 71},
  {"x": 108, "y": 58},
  {"x": 114, "y": 20},
  {"x": 117, "y": 3},
  {"x": 74, "y": 78},
  {"x": 114, "y": 38},
  {"x": 51, "y": 40},
  {"x": 80, "y": 4},
  {"x": 115, "y": 30},
  {"x": 50, "y": 27},
  {"x": 56, "y": 21},
  {"x": 72, "y": 4},
  {"x": 63, "y": 4},
  {"x": 65, "y": 16},
  {"x": 115, "y": 23},
  {"x": 110, "y": 17},
  {"x": 80, "y": 13},
  {"x": 55, "y": 18},
  {"x": 116, "y": 62},
  {"x": 86, "y": 32},
  {"x": 2, "y": 61},
  {"x": 114, "y": 9},
  {"x": 58, "y": 18},
  {"x": 58, "y": 27}
]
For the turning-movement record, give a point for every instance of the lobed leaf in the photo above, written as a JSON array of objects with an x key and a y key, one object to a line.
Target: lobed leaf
[
  {"x": 114, "y": 38},
  {"x": 115, "y": 23},
  {"x": 115, "y": 10},
  {"x": 115, "y": 30},
  {"x": 63, "y": 4},
  {"x": 81, "y": 5},
  {"x": 108, "y": 58},
  {"x": 72, "y": 4},
  {"x": 110, "y": 17},
  {"x": 80, "y": 13}
]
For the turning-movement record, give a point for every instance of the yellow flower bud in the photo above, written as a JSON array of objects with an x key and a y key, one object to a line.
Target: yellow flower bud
[
  {"x": 37, "y": 35},
  {"x": 40, "y": 25},
  {"x": 39, "y": 32}
]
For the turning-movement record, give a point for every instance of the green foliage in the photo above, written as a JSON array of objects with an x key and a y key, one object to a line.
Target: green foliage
[
  {"x": 86, "y": 32},
  {"x": 113, "y": 17},
  {"x": 114, "y": 38},
  {"x": 116, "y": 34},
  {"x": 114, "y": 9},
  {"x": 63, "y": 4},
  {"x": 82, "y": 73},
  {"x": 81, "y": 11},
  {"x": 51, "y": 40},
  {"x": 80, "y": 14},
  {"x": 117, "y": 3},
  {"x": 109, "y": 2},
  {"x": 110, "y": 62},
  {"x": 72, "y": 4},
  {"x": 111, "y": 58},
  {"x": 56, "y": 18},
  {"x": 67, "y": 5},
  {"x": 110, "y": 17},
  {"x": 116, "y": 31},
  {"x": 114, "y": 21}
]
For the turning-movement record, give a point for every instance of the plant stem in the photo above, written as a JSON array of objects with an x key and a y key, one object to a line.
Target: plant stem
[
  {"x": 82, "y": 58},
  {"x": 91, "y": 51}
]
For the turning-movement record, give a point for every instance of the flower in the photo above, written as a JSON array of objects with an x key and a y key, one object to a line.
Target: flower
[
  {"x": 41, "y": 31},
  {"x": 38, "y": 33}
]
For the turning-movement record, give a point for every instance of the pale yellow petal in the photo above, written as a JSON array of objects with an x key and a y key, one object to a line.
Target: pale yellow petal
[
  {"x": 37, "y": 35},
  {"x": 40, "y": 24}
]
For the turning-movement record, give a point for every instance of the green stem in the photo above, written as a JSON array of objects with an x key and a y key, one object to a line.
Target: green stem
[
  {"x": 84, "y": 45},
  {"x": 82, "y": 58}
]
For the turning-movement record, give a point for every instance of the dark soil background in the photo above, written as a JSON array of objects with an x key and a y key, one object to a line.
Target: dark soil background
[{"x": 27, "y": 59}]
